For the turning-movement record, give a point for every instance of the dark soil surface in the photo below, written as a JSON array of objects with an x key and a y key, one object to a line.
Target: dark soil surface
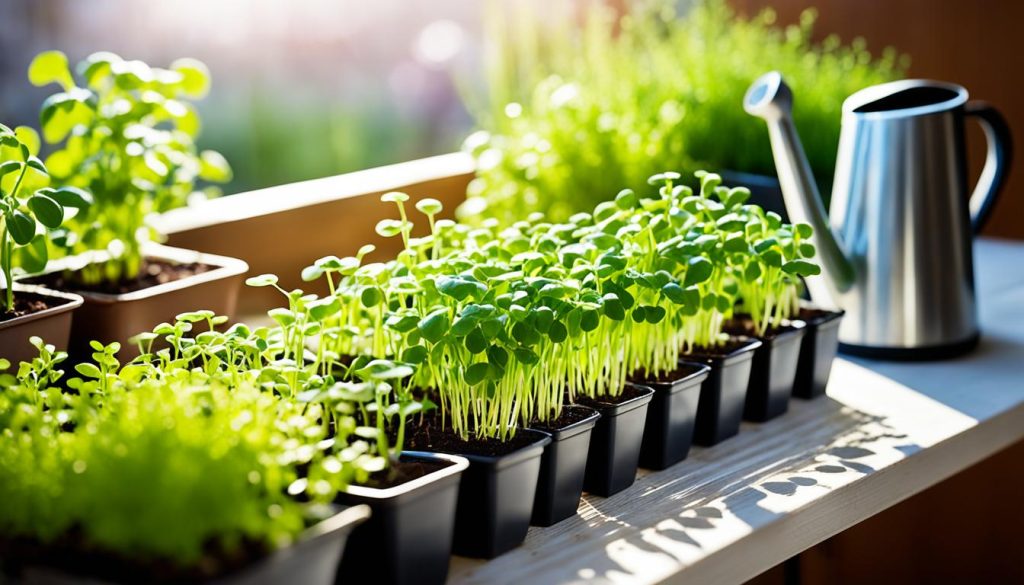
[
  {"x": 718, "y": 351},
  {"x": 628, "y": 393},
  {"x": 405, "y": 470},
  {"x": 814, "y": 315},
  {"x": 70, "y": 554},
  {"x": 667, "y": 378},
  {"x": 744, "y": 325},
  {"x": 153, "y": 272},
  {"x": 27, "y": 303},
  {"x": 430, "y": 436},
  {"x": 570, "y": 415}
]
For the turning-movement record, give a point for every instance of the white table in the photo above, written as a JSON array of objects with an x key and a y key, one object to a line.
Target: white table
[{"x": 884, "y": 432}]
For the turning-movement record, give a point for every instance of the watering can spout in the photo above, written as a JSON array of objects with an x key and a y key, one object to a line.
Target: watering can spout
[{"x": 771, "y": 99}]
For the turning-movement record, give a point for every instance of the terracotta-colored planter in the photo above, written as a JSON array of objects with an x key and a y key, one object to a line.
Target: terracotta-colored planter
[
  {"x": 52, "y": 325},
  {"x": 118, "y": 317}
]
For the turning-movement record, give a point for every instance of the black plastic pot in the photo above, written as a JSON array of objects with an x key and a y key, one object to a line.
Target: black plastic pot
[
  {"x": 496, "y": 499},
  {"x": 615, "y": 443},
  {"x": 773, "y": 372},
  {"x": 562, "y": 468},
  {"x": 668, "y": 432},
  {"x": 817, "y": 351},
  {"x": 312, "y": 559},
  {"x": 408, "y": 538},
  {"x": 724, "y": 391}
]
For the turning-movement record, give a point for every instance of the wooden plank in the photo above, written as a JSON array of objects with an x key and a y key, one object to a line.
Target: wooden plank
[
  {"x": 885, "y": 432},
  {"x": 281, "y": 230}
]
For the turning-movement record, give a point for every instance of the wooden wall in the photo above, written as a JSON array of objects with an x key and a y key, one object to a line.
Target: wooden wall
[{"x": 976, "y": 43}]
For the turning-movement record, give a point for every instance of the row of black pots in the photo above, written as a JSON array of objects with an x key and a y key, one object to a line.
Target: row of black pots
[{"x": 482, "y": 506}]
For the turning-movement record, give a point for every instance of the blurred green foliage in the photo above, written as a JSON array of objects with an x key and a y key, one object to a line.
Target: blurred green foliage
[{"x": 576, "y": 110}]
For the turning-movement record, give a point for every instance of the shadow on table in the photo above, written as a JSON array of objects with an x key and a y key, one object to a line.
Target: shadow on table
[{"x": 660, "y": 520}]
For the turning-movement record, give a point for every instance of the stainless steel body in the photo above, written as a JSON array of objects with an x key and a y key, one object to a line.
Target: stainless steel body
[{"x": 897, "y": 255}]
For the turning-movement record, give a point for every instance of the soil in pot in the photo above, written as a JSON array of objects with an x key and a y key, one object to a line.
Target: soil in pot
[
  {"x": 563, "y": 464},
  {"x": 173, "y": 281},
  {"x": 408, "y": 538},
  {"x": 312, "y": 559},
  {"x": 817, "y": 351},
  {"x": 671, "y": 415},
  {"x": 773, "y": 370},
  {"x": 497, "y": 489},
  {"x": 154, "y": 272},
  {"x": 43, "y": 314},
  {"x": 615, "y": 441},
  {"x": 723, "y": 393}
]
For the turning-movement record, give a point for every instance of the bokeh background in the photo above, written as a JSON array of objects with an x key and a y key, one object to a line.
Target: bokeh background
[{"x": 309, "y": 88}]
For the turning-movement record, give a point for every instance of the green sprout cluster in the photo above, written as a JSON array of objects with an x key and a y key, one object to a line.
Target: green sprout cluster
[
  {"x": 572, "y": 108},
  {"x": 504, "y": 325},
  {"x": 29, "y": 207},
  {"x": 179, "y": 469},
  {"x": 243, "y": 433},
  {"x": 126, "y": 133}
]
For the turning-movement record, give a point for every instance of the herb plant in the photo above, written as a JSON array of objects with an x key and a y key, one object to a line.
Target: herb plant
[
  {"x": 181, "y": 470},
  {"x": 28, "y": 206},
  {"x": 127, "y": 134},
  {"x": 572, "y": 111}
]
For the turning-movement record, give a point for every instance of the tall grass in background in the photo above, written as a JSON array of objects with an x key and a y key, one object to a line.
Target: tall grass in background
[{"x": 580, "y": 101}]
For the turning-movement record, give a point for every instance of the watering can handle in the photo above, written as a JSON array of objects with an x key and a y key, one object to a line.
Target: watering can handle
[{"x": 997, "y": 162}]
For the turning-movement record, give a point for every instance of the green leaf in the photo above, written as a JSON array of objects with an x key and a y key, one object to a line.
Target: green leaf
[
  {"x": 459, "y": 288},
  {"x": 394, "y": 197},
  {"x": 804, "y": 230},
  {"x": 388, "y": 228},
  {"x": 752, "y": 272},
  {"x": 261, "y": 280},
  {"x": 416, "y": 354},
  {"x": 9, "y": 166},
  {"x": 50, "y": 67},
  {"x": 34, "y": 256},
  {"x": 557, "y": 332},
  {"x": 674, "y": 293},
  {"x": 89, "y": 370},
  {"x": 47, "y": 211},
  {"x": 626, "y": 199},
  {"x": 476, "y": 373},
  {"x": 497, "y": 356},
  {"x": 429, "y": 206},
  {"x": 371, "y": 296},
  {"x": 698, "y": 270},
  {"x": 21, "y": 227},
  {"x": 613, "y": 307},
  {"x": 589, "y": 320},
  {"x": 801, "y": 268},
  {"x": 434, "y": 326},
  {"x": 30, "y": 138},
  {"x": 214, "y": 167},
  {"x": 475, "y": 341},
  {"x": 72, "y": 197},
  {"x": 195, "y": 77},
  {"x": 654, "y": 314},
  {"x": 772, "y": 258},
  {"x": 324, "y": 308}
]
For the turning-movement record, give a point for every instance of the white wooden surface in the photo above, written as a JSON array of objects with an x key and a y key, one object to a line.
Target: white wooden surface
[{"x": 884, "y": 432}]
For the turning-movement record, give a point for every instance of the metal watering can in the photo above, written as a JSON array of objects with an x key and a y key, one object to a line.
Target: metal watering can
[{"x": 897, "y": 257}]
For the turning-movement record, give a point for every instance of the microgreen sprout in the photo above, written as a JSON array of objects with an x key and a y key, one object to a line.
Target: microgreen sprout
[{"x": 127, "y": 133}]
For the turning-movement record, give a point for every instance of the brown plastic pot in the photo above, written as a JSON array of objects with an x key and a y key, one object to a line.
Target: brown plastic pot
[
  {"x": 52, "y": 325},
  {"x": 119, "y": 317}
]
